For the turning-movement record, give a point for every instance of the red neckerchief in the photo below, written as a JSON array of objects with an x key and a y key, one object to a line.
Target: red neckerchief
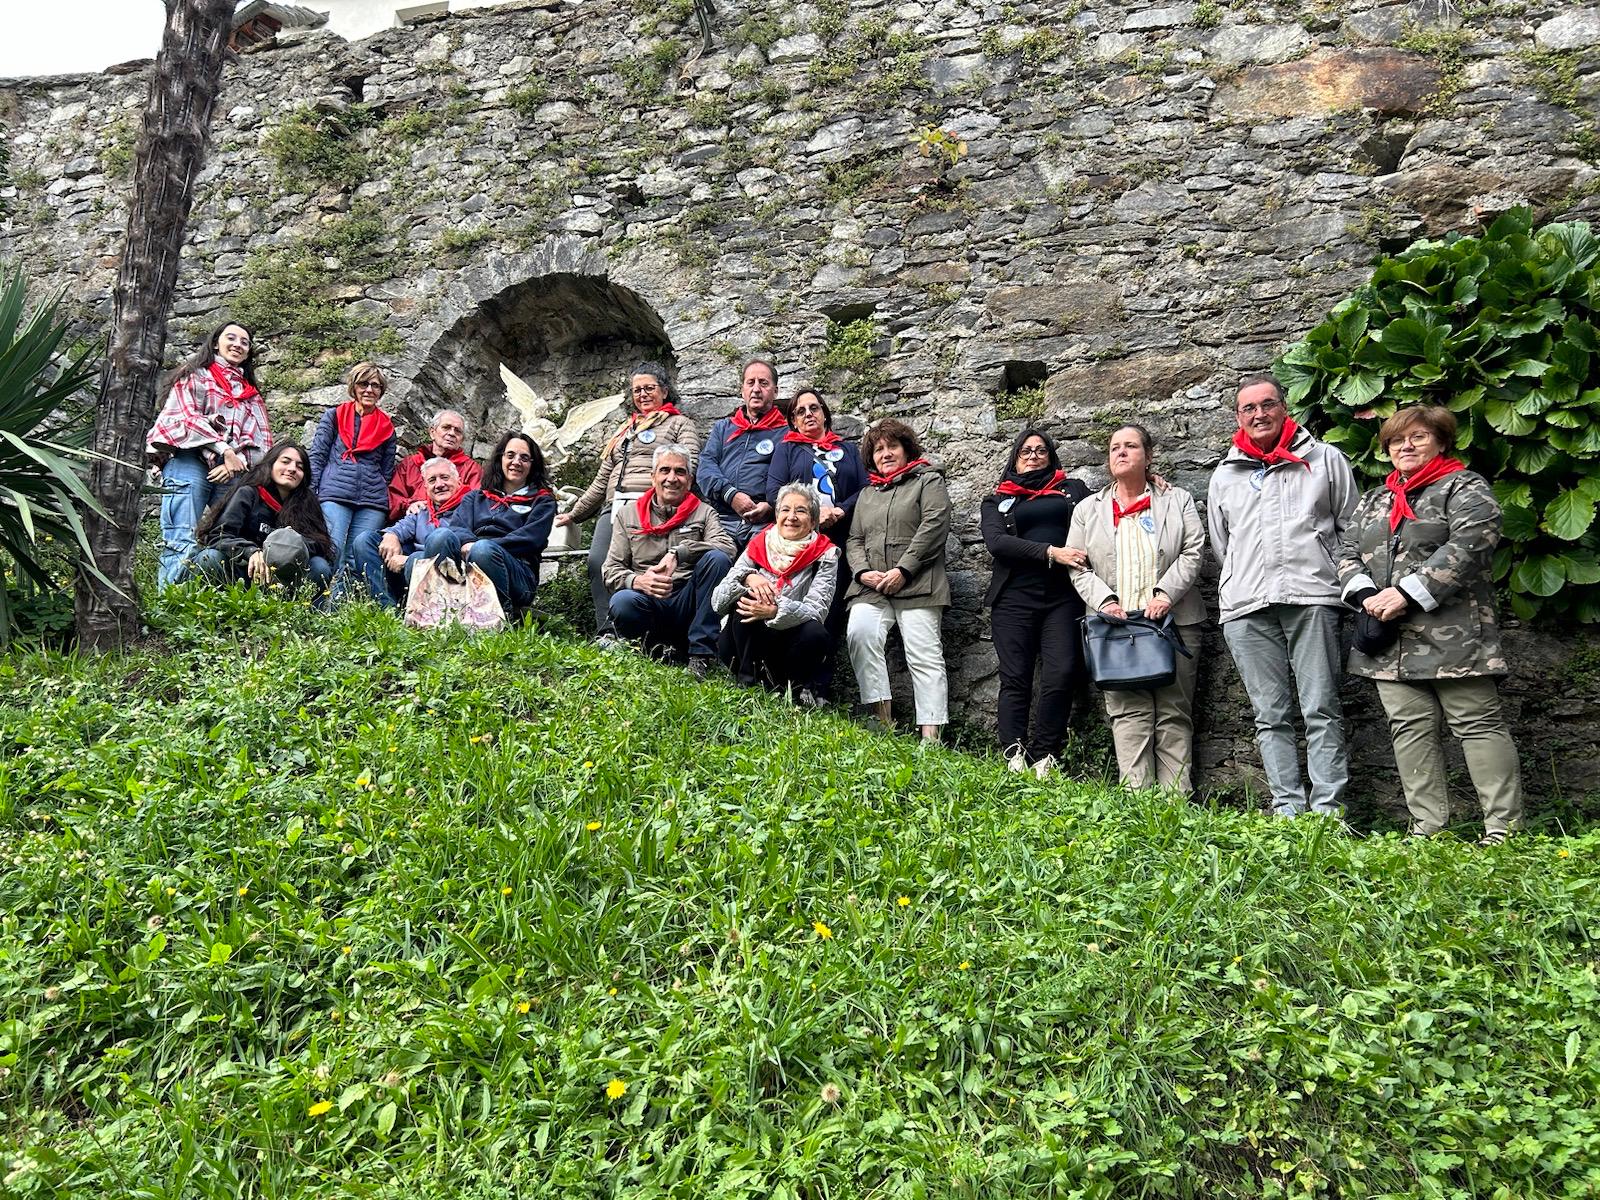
[
  {"x": 224, "y": 377},
  {"x": 449, "y": 505},
  {"x": 1008, "y": 487},
  {"x": 682, "y": 514},
  {"x": 757, "y": 550},
  {"x": 1400, "y": 507},
  {"x": 376, "y": 429},
  {"x": 828, "y": 441},
  {"x": 269, "y": 499},
  {"x": 498, "y": 500},
  {"x": 1279, "y": 453},
  {"x": 1118, "y": 512},
  {"x": 877, "y": 480},
  {"x": 771, "y": 419}
]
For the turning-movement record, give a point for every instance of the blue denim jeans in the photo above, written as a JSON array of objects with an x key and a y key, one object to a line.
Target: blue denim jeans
[
  {"x": 1289, "y": 654},
  {"x": 346, "y": 524},
  {"x": 388, "y": 587},
  {"x": 186, "y": 493},
  {"x": 684, "y": 619},
  {"x": 513, "y": 582}
]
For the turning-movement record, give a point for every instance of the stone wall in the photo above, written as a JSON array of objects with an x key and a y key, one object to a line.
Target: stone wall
[{"x": 1127, "y": 204}]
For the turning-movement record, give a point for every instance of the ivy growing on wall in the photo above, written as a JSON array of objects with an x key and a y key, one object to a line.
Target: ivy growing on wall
[{"x": 1504, "y": 330}]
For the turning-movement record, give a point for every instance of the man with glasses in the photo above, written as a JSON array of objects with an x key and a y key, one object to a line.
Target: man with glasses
[
  {"x": 1276, "y": 507},
  {"x": 733, "y": 464},
  {"x": 446, "y": 435}
]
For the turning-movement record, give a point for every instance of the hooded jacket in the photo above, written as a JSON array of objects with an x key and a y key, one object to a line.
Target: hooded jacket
[{"x": 905, "y": 525}]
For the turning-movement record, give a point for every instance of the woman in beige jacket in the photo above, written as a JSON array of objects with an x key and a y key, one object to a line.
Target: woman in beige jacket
[
  {"x": 1143, "y": 548},
  {"x": 625, "y": 465}
]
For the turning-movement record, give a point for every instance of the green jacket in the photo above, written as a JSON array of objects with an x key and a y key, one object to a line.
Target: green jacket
[
  {"x": 903, "y": 525},
  {"x": 1444, "y": 568}
]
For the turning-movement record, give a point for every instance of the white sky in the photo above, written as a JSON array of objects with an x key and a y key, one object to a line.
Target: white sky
[{"x": 55, "y": 37}]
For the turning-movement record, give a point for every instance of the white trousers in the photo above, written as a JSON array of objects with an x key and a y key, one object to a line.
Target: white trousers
[{"x": 868, "y": 637}]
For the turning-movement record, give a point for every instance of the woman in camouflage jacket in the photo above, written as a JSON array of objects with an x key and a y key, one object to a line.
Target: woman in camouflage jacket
[{"x": 1429, "y": 534}]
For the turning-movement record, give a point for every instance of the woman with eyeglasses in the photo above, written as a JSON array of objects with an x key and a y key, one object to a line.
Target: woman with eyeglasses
[
  {"x": 1418, "y": 559},
  {"x": 1035, "y": 610},
  {"x": 812, "y": 453},
  {"x": 503, "y": 526},
  {"x": 352, "y": 460},
  {"x": 624, "y": 473}
]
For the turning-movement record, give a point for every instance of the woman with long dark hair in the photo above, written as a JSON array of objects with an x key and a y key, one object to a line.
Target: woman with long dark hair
[
  {"x": 212, "y": 429},
  {"x": 625, "y": 466},
  {"x": 504, "y": 526},
  {"x": 1035, "y": 610},
  {"x": 268, "y": 528}
]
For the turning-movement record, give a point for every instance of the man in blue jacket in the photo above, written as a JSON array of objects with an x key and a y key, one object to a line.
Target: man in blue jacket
[
  {"x": 387, "y": 563},
  {"x": 732, "y": 471}
]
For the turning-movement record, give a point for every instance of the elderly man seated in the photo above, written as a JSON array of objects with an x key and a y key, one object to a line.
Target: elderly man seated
[
  {"x": 668, "y": 553},
  {"x": 387, "y": 561}
]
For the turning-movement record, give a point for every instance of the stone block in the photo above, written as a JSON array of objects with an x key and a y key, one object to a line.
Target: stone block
[
  {"x": 1127, "y": 382},
  {"x": 1236, "y": 44},
  {"x": 1390, "y": 82},
  {"x": 1575, "y": 30},
  {"x": 800, "y": 48},
  {"x": 1159, "y": 18}
]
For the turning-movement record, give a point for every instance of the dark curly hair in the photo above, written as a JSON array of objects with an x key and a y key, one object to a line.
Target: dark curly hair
[{"x": 889, "y": 430}]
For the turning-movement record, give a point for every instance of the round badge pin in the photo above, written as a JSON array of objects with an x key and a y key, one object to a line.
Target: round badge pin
[
  {"x": 1258, "y": 477},
  {"x": 1005, "y": 505},
  {"x": 834, "y": 455},
  {"x": 764, "y": 446},
  {"x": 648, "y": 436},
  {"x": 1147, "y": 523}
]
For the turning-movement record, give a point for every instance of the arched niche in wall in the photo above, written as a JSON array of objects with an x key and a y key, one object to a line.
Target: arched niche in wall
[{"x": 570, "y": 334}]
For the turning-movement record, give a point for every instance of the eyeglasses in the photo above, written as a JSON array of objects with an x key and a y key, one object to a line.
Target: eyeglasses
[
  {"x": 1033, "y": 452},
  {"x": 1420, "y": 438},
  {"x": 370, "y": 386},
  {"x": 516, "y": 456},
  {"x": 644, "y": 389},
  {"x": 1266, "y": 406}
]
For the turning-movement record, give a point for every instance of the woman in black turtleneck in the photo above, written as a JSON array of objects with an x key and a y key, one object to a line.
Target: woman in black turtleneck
[{"x": 1035, "y": 607}]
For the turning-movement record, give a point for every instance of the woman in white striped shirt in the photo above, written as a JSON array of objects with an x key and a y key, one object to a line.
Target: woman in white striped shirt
[{"x": 1144, "y": 546}]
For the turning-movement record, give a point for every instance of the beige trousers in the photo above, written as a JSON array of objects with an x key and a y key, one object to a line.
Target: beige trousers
[
  {"x": 1154, "y": 731},
  {"x": 1418, "y": 713}
]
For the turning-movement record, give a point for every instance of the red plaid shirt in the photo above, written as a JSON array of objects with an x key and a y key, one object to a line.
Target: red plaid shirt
[{"x": 200, "y": 415}]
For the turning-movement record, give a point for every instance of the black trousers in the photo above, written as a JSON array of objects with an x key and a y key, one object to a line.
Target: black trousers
[
  {"x": 778, "y": 658},
  {"x": 1029, "y": 635}
]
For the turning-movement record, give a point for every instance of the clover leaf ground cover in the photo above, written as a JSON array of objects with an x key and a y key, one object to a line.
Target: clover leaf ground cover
[{"x": 291, "y": 909}]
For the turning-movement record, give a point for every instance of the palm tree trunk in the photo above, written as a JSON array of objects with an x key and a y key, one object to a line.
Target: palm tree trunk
[{"x": 177, "y": 122}]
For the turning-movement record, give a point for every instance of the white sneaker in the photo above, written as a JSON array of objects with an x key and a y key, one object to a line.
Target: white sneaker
[
  {"x": 1017, "y": 759},
  {"x": 1045, "y": 767}
]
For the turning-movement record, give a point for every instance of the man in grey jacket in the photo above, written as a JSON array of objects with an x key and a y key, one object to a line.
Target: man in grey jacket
[{"x": 1277, "y": 505}]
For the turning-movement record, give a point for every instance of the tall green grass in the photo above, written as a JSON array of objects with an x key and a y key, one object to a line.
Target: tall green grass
[{"x": 306, "y": 907}]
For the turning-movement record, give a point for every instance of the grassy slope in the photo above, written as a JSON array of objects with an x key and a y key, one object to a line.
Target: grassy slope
[{"x": 457, "y": 887}]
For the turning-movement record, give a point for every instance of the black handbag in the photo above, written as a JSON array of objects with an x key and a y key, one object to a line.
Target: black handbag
[
  {"x": 1372, "y": 636},
  {"x": 1132, "y": 653}
]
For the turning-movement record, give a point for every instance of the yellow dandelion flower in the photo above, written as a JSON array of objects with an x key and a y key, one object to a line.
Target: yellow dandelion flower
[
  {"x": 965, "y": 966},
  {"x": 615, "y": 1089},
  {"x": 611, "y": 991},
  {"x": 592, "y": 826},
  {"x": 1563, "y": 854},
  {"x": 320, "y": 1107},
  {"x": 524, "y": 1006},
  {"x": 588, "y": 764},
  {"x": 822, "y": 930},
  {"x": 347, "y": 949},
  {"x": 904, "y": 901},
  {"x": 244, "y": 889},
  {"x": 171, "y": 891},
  {"x": 506, "y": 891},
  {"x": 475, "y": 738}
]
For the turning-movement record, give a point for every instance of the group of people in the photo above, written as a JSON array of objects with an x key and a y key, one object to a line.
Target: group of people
[{"x": 764, "y": 545}]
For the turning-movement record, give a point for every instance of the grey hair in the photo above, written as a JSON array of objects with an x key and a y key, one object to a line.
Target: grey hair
[
  {"x": 657, "y": 372},
  {"x": 440, "y": 415},
  {"x": 670, "y": 450},
  {"x": 1250, "y": 381},
  {"x": 806, "y": 492},
  {"x": 454, "y": 470}
]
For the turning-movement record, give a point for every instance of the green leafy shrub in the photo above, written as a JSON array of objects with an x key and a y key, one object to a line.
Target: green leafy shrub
[
  {"x": 849, "y": 364},
  {"x": 1504, "y": 330},
  {"x": 314, "y": 146}
]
